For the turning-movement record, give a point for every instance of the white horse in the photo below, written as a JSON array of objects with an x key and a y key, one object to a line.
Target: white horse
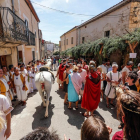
[{"x": 46, "y": 78}]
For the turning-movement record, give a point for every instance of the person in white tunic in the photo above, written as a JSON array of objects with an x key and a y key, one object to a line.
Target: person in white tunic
[
  {"x": 20, "y": 87},
  {"x": 113, "y": 79},
  {"x": 5, "y": 118},
  {"x": 38, "y": 65},
  {"x": 30, "y": 77},
  {"x": 10, "y": 73},
  {"x": 102, "y": 79},
  {"x": 4, "y": 87},
  {"x": 6, "y": 77},
  {"x": 34, "y": 71},
  {"x": 25, "y": 73},
  {"x": 126, "y": 70}
]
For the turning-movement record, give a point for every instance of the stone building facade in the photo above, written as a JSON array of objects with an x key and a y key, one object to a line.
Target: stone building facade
[
  {"x": 118, "y": 20},
  {"x": 69, "y": 39},
  {"x": 22, "y": 37}
]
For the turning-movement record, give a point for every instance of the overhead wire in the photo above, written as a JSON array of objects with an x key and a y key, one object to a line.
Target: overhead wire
[{"x": 65, "y": 12}]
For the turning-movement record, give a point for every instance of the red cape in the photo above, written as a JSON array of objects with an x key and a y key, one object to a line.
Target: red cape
[
  {"x": 91, "y": 96},
  {"x": 61, "y": 71}
]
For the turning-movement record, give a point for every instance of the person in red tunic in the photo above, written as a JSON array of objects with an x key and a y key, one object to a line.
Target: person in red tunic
[
  {"x": 60, "y": 72},
  {"x": 91, "y": 96}
]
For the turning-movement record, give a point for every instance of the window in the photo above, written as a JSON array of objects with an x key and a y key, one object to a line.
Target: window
[
  {"x": 83, "y": 39},
  {"x": 67, "y": 41},
  {"x": 72, "y": 40},
  {"x": 107, "y": 34},
  {"x": 33, "y": 55},
  {"x": 26, "y": 23},
  {"x": 35, "y": 34}
]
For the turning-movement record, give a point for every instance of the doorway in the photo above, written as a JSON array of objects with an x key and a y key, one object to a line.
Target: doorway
[
  {"x": 20, "y": 56},
  {"x": 3, "y": 61}
]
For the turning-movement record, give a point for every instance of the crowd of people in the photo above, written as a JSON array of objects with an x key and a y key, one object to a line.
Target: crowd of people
[
  {"x": 82, "y": 83},
  {"x": 16, "y": 84},
  {"x": 86, "y": 83}
]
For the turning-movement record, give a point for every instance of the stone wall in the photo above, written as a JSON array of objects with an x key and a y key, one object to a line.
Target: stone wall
[{"x": 117, "y": 25}]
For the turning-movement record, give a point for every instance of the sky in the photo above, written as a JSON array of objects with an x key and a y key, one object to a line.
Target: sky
[{"x": 54, "y": 24}]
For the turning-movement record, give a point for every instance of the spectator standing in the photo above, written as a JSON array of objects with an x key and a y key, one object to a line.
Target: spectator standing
[
  {"x": 60, "y": 72},
  {"x": 131, "y": 80},
  {"x": 83, "y": 75},
  {"x": 59, "y": 61},
  {"x": 104, "y": 72},
  {"x": 85, "y": 66},
  {"x": 74, "y": 86},
  {"x": 108, "y": 66},
  {"x": 126, "y": 70},
  {"x": 128, "y": 107},
  {"x": 20, "y": 86},
  {"x": 4, "y": 90},
  {"x": 41, "y": 133},
  {"x": 95, "y": 129},
  {"x": 24, "y": 72},
  {"x": 6, "y": 77},
  {"x": 38, "y": 65},
  {"x": 10, "y": 73},
  {"x": 54, "y": 64},
  {"x": 34, "y": 71},
  {"x": 65, "y": 83},
  {"x": 5, "y": 109},
  {"x": 100, "y": 70},
  {"x": 113, "y": 79},
  {"x": 30, "y": 77}
]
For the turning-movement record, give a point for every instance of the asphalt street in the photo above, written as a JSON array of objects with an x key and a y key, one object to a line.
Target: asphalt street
[{"x": 61, "y": 119}]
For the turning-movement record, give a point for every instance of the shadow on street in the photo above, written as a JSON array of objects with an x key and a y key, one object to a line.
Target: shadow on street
[
  {"x": 18, "y": 108},
  {"x": 39, "y": 119},
  {"x": 102, "y": 105},
  {"x": 61, "y": 93}
]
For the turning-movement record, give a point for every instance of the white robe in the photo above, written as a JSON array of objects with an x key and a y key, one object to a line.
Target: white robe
[
  {"x": 26, "y": 80},
  {"x": 21, "y": 94},
  {"x": 7, "y": 90},
  {"x": 110, "y": 90},
  {"x": 30, "y": 81},
  {"x": 33, "y": 81},
  {"x": 5, "y": 109}
]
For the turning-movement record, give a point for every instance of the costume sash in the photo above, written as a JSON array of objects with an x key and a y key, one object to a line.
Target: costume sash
[
  {"x": 76, "y": 81},
  {"x": 22, "y": 79},
  {"x": 4, "y": 87}
]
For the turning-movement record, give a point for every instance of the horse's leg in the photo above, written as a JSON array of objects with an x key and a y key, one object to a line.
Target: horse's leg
[
  {"x": 41, "y": 94},
  {"x": 47, "y": 103}
]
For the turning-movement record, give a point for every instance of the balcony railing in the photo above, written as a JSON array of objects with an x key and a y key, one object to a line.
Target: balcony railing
[
  {"x": 31, "y": 38},
  {"x": 12, "y": 28}
]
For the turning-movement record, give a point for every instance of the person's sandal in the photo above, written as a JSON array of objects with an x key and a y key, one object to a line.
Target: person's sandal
[
  {"x": 107, "y": 105},
  {"x": 112, "y": 104},
  {"x": 69, "y": 107},
  {"x": 76, "y": 107},
  {"x": 66, "y": 103},
  {"x": 85, "y": 115}
]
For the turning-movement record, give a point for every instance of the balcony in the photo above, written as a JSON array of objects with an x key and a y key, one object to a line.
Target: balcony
[
  {"x": 31, "y": 39},
  {"x": 13, "y": 30}
]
